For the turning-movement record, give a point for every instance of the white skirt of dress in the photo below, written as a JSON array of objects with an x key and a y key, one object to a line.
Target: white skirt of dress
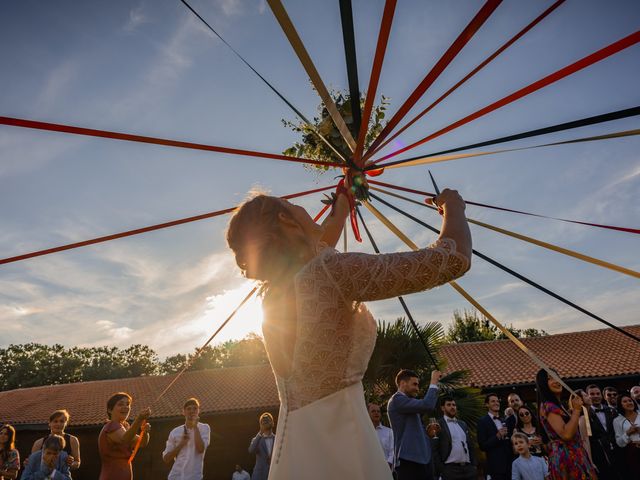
[{"x": 332, "y": 438}]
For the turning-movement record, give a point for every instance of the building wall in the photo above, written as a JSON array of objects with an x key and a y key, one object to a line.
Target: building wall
[{"x": 230, "y": 437}]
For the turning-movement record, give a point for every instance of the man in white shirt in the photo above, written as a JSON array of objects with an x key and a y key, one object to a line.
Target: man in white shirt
[
  {"x": 240, "y": 474},
  {"x": 453, "y": 454},
  {"x": 385, "y": 434},
  {"x": 186, "y": 444}
]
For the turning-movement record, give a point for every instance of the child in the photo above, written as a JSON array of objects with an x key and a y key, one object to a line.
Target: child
[
  {"x": 48, "y": 463},
  {"x": 526, "y": 466}
]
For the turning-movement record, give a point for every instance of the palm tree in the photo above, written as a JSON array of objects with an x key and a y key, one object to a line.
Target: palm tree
[{"x": 398, "y": 346}]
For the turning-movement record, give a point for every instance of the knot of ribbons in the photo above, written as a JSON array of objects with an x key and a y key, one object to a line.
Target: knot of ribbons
[{"x": 354, "y": 186}]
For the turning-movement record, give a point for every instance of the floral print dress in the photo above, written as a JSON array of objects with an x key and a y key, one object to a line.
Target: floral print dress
[{"x": 568, "y": 460}]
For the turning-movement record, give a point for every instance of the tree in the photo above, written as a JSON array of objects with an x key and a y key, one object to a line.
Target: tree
[
  {"x": 33, "y": 364},
  {"x": 233, "y": 353},
  {"x": 470, "y": 326},
  {"x": 398, "y": 346}
]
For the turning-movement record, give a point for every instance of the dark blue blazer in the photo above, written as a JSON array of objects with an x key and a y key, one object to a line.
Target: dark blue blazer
[
  {"x": 499, "y": 452},
  {"x": 410, "y": 438}
]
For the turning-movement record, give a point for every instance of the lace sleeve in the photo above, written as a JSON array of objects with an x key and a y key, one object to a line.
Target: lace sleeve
[{"x": 365, "y": 277}]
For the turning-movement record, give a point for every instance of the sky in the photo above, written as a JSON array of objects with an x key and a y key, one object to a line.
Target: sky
[{"x": 150, "y": 68}]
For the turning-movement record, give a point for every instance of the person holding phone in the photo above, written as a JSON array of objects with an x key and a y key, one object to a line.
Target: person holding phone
[
  {"x": 187, "y": 444},
  {"x": 262, "y": 446}
]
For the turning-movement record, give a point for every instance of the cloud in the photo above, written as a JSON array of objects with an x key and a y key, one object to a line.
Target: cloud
[
  {"x": 137, "y": 17},
  {"x": 56, "y": 87}
]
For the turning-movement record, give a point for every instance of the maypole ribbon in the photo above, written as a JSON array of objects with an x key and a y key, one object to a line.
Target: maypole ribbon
[
  {"x": 349, "y": 40},
  {"x": 584, "y": 62},
  {"x": 138, "y": 231},
  {"x": 402, "y": 302},
  {"x": 505, "y": 268},
  {"x": 376, "y": 69},
  {"x": 191, "y": 360},
  {"x": 504, "y": 209},
  {"x": 583, "y": 122},
  {"x": 57, "y": 127},
  {"x": 298, "y": 47},
  {"x": 469, "y": 31},
  {"x": 458, "y": 156},
  {"x": 483, "y": 64},
  {"x": 473, "y": 302},
  {"x": 308, "y": 124},
  {"x": 138, "y": 444}
]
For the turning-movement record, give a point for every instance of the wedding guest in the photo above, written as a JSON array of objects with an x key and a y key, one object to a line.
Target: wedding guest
[
  {"x": 494, "y": 439},
  {"x": 627, "y": 429},
  {"x": 9, "y": 456},
  {"x": 50, "y": 462},
  {"x": 186, "y": 444},
  {"x": 240, "y": 474},
  {"x": 412, "y": 445},
  {"x": 453, "y": 450},
  {"x": 567, "y": 457},
  {"x": 602, "y": 438},
  {"x": 611, "y": 397},
  {"x": 262, "y": 446},
  {"x": 527, "y": 466},
  {"x": 385, "y": 434},
  {"x": 527, "y": 424},
  {"x": 57, "y": 423},
  {"x": 118, "y": 439}
]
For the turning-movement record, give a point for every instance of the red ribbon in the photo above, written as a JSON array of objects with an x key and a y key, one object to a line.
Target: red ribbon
[
  {"x": 584, "y": 62},
  {"x": 480, "y": 66},
  {"x": 138, "y": 442},
  {"x": 138, "y": 231},
  {"x": 483, "y": 14},
  {"x": 55, "y": 127},
  {"x": 376, "y": 69}
]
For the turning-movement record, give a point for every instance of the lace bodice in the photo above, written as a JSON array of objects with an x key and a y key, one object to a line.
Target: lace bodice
[{"x": 335, "y": 332}]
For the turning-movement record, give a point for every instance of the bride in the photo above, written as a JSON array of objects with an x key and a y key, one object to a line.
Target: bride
[{"x": 318, "y": 335}]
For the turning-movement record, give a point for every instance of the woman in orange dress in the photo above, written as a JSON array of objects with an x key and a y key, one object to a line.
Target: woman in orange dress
[{"x": 117, "y": 438}]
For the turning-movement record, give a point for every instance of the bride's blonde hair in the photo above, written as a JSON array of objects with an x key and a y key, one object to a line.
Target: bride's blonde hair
[{"x": 254, "y": 234}]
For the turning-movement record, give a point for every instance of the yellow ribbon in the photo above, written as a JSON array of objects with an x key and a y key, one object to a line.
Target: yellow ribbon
[
  {"x": 296, "y": 43},
  {"x": 534, "y": 241},
  {"x": 446, "y": 158}
]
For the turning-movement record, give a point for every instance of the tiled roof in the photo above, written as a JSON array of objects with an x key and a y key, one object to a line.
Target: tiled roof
[
  {"x": 223, "y": 390},
  {"x": 589, "y": 354}
]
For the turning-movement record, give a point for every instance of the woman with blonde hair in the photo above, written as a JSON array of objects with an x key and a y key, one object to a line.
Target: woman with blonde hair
[{"x": 318, "y": 334}]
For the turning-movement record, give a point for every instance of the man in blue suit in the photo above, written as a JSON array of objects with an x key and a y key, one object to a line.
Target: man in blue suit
[{"x": 412, "y": 445}]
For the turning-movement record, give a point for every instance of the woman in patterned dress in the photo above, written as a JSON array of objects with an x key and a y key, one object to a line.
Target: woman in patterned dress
[
  {"x": 9, "y": 456},
  {"x": 568, "y": 459},
  {"x": 318, "y": 334}
]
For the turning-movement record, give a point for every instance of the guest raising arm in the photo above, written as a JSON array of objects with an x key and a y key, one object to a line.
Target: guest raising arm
[
  {"x": 567, "y": 457},
  {"x": 117, "y": 438}
]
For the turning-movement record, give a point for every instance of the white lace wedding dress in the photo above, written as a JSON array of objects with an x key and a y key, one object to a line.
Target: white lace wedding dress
[{"x": 324, "y": 431}]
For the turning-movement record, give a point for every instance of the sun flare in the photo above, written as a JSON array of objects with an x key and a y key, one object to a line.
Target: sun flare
[{"x": 247, "y": 320}]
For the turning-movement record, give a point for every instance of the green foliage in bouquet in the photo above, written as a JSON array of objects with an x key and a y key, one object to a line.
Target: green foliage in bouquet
[{"x": 312, "y": 147}]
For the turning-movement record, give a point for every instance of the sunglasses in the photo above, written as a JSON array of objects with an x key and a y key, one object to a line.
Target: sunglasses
[{"x": 524, "y": 414}]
